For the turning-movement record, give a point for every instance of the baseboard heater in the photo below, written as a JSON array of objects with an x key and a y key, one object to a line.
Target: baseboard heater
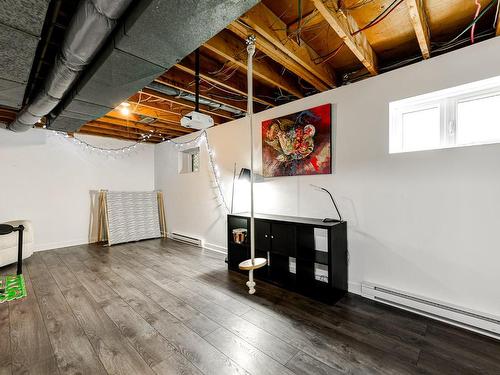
[
  {"x": 186, "y": 239},
  {"x": 485, "y": 324}
]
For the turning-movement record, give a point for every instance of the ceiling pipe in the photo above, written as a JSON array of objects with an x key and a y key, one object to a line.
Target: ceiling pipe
[
  {"x": 170, "y": 91},
  {"x": 91, "y": 25}
]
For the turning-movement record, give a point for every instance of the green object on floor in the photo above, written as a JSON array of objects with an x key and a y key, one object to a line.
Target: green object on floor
[{"x": 11, "y": 288}]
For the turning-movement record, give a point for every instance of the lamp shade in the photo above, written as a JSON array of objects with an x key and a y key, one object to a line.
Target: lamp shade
[{"x": 244, "y": 174}]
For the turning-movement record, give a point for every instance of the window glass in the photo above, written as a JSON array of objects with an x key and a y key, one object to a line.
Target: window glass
[
  {"x": 478, "y": 120},
  {"x": 195, "y": 161},
  {"x": 421, "y": 130}
]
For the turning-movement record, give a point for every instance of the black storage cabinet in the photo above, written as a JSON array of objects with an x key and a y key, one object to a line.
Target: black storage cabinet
[{"x": 280, "y": 239}]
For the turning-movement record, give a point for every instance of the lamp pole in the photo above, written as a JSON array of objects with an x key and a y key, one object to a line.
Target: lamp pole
[{"x": 251, "y": 51}]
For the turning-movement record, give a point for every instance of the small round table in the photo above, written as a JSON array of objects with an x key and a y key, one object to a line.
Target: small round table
[
  {"x": 250, "y": 265},
  {"x": 8, "y": 229}
]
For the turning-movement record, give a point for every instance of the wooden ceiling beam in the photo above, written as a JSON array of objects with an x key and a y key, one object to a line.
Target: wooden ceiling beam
[
  {"x": 261, "y": 19},
  {"x": 342, "y": 24},
  {"x": 311, "y": 19},
  {"x": 498, "y": 27},
  {"x": 217, "y": 114},
  {"x": 172, "y": 106},
  {"x": 117, "y": 130},
  {"x": 183, "y": 81},
  {"x": 134, "y": 118},
  {"x": 127, "y": 130},
  {"x": 7, "y": 115},
  {"x": 234, "y": 50},
  {"x": 236, "y": 82},
  {"x": 138, "y": 128},
  {"x": 276, "y": 54},
  {"x": 142, "y": 110},
  {"x": 421, "y": 27},
  {"x": 92, "y": 130},
  {"x": 107, "y": 135},
  {"x": 153, "y": 102},
  {"x": 178, "y": 130}
]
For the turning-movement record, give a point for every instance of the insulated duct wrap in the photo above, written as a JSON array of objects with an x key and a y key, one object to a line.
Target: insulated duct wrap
[
  {"x": 21, "y": 23},
  {"x": 92, "y": 23}
]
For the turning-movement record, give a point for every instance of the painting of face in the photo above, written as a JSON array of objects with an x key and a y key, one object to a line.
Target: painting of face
[{"x": 298, "y": 144}]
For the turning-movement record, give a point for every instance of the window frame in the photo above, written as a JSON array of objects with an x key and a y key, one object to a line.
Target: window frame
[
  {"x": 186, "y": 160},
  {"x": 447, "y": 100}
]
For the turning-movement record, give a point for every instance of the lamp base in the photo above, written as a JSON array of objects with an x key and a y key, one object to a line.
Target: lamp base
[{"x": 330, "y": 220}]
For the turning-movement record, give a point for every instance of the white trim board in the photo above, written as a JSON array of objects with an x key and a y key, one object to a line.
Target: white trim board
[
  {"x": 476, "y": 321},
  {"x": 213, "y": 247},
  {"x": 59, "y": 245}
]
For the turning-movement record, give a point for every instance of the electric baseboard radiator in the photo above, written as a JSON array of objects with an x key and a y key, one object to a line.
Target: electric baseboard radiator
[
  {"x": 468, "y": 319},
  {"x": 186, "y": 239}
]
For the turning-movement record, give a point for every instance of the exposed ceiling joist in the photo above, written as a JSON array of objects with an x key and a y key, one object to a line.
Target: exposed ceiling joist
[
  {"x": 136, "y": 128},
  {"x": 276, "y": 54},
  {"x": 498, "y": 27},
  {"x": 296, "y": 56},
  {"x": 234, "y": 82},
  {"x": 233, "y": 49},
  {"x": 311, "y": 19},
  {"x": 419, "y": 22},
  {"x": 7, "y": 115},
  {"x": 146, "y": 111},
  {"x": 272, "y": 28},
  {"x": 96, "y": 130},
  {"x": 186, "y": 106},
  {"x": 183, "y": 81},
  {"x": 131, "y": 129},
  {"x": 343, "y": 24},
  {"x": 178, "y": 130},
  {"x": 148, "y": 98},
  {"x": 138, "y": 113}
]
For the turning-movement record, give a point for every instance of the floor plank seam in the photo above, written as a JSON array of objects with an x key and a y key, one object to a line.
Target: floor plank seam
[
  {"x": 196, "y": 315},
  {"x": 220, "y": 327},
  {"x": 84, "y": 331},
  {"x": 43, "y": 318},
  {"x": 73, "y": 313},
  {"x": 171, "y": 342}
]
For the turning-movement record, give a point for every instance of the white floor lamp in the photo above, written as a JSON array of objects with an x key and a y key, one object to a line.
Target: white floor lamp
[{"x": 253, "y": 263}]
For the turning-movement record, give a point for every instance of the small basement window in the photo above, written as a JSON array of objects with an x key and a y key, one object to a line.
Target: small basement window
[
  {"x": 189, "y": 160},
  {"x": 461, "y": 116}
]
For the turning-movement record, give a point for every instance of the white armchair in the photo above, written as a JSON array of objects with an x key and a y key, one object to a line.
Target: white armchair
[{"x": 8, "y": 243}]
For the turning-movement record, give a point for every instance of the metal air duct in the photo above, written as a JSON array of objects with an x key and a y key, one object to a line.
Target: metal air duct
[{"x": 91, "y": 25}]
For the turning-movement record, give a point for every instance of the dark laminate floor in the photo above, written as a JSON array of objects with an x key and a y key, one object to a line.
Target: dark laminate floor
[{"x": 167, "y": 308}]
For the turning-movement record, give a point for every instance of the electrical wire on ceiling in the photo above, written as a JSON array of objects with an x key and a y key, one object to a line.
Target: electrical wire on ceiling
[
  {"x": 474, "y": 21},
  {"x": 483, "y": 35},
  {"x": 473, "y": 28},
  {"x": 357, "y": 5},
  {"x": 328, "y": 56},
  {"x": 380, "y": 17},
  {"x": 495, "y": 20},
  {"x": 351, "y": 78}
]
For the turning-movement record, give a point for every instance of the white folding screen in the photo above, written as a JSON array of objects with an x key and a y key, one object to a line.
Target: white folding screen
[{"x": 132, "y": 216}]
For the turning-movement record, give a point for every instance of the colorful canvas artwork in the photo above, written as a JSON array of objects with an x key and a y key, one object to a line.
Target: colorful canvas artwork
[{"x": 298, "y": 144}]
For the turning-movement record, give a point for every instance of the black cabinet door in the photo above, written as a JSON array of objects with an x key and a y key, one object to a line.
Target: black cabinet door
[
  {"x": 262, "y": 235},
  {"x": 283, "y": 239}
]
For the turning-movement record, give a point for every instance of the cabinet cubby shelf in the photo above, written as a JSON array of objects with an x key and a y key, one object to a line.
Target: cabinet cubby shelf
[{"x": 279, "y": 238}]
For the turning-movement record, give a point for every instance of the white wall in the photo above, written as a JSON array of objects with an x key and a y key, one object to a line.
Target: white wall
[
  {"x": 49, "y": 180},
  {"x": 425, "y": 222}
]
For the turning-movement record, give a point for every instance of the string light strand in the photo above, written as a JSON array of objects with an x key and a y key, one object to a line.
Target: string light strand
[
  {"x": 109, "y": 151},
  {"x": 214, "y": 169}
]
